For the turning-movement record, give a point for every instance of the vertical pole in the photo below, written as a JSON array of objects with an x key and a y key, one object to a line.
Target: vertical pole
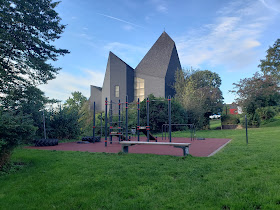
[
  {"x": 100, "y": 126},
  {"x": 111, "y": 126},
  {"x": 169, "y": 116},
  {"x": 138, "y": 119},
  {"x": 246, "y": 129},
  {"x": 126, "y": 117},
  {"x": 106, "y": 121},
  {"x": 148, "y": 125},
  {"x": 44, "y": 124},
  {"x": 119, "y": 120},
  {"x": 165, "y": 131},
  {"x": 93, "y": 127}
]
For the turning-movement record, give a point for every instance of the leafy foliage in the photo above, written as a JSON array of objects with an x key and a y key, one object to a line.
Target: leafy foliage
[
  {"x": 15, "y": 128},
  {"x": 76, "y": 102},
  {"x": 256, "y": 92},
  {"x": 26, "y": 30},
  {"x": 199, "y": 93},
  {"x": 62, "y": 124},
  {"x": 271, "y": 64}
]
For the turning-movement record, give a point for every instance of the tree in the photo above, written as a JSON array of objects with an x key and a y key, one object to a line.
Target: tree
[
  {"x": 271, "y": 64},
  {"x": 261, "y": 90},
  {"x": 26, "y": 30},
  {"x": 199, "y": 93},
  {"x": 76, "y": 102}
]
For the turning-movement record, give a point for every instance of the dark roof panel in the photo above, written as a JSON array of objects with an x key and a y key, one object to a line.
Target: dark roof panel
[{"x": 156, "y": 61}]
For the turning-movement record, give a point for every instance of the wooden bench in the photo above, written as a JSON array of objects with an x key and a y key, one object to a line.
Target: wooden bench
[{"x": 184, "y": 146}]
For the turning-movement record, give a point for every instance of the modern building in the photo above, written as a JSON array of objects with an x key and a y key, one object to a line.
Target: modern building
[{"x": 155, "y": 74}]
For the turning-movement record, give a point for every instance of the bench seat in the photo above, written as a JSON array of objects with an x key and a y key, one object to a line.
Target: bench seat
[{"x": 184, "y": 146}]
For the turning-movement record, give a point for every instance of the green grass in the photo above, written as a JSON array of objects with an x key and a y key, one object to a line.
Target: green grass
[
  {"x": 215, "y": 124},
  {"x": 238, "y": 177}
]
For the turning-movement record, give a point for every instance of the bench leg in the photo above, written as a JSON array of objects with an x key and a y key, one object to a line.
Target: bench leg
[
  {"x": 125, "y": 149},
  {"x": 185, "y": 151}
]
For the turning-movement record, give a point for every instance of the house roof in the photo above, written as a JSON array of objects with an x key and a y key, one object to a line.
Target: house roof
[{"x": 156, "y": 61}]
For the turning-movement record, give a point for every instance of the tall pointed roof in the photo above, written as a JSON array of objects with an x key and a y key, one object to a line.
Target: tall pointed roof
[{"x": 156, "y": 61}]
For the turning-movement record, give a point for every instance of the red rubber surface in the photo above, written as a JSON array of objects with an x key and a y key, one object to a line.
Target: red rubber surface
[{"x": 198, "y": 148}]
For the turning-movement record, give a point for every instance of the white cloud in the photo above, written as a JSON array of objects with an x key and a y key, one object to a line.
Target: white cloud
[
  {"x": 65, "y": 83},
  {"x": 229, "y": 41}
]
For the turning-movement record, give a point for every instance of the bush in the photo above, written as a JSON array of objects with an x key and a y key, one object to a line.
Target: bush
[
  {"x": 228, "y": 119},
  {"x": 15, "y": 128},
  {"x": 266, "y": 113},
  {"x": 253, "y": 120}
]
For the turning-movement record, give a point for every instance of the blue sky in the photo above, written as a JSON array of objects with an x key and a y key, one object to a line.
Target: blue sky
[{"x": 226, "y": 37}]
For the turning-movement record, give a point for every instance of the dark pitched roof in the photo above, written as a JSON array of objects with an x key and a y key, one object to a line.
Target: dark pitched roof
[
  {"x": 99, "y": 88},
  {"x": 156, "y": 61},
  {"x": 113, "y": 56}
]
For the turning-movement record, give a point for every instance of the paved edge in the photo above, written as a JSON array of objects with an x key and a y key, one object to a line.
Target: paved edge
[{"x": 217, "y": 150}]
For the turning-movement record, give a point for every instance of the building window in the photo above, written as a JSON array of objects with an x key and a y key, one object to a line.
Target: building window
[
  {"x": 117, "y": 91},
  {"x": 139, "y": 89}
]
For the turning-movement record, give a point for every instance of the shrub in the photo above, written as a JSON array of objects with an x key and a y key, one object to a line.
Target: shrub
[
  {"x": 266, "y": 113},
  {"x": 228, "y": 119},
  {"x": 15, "y": 128}
]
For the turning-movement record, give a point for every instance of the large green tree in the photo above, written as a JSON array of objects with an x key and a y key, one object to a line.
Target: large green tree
[
  {"x": 256, "y": 92},
  {"x": 199, "y": 93},
  {"x": 27, "y": 30},
  {"x": 76, "y": 101},
  {"x": 271, "y": 64}
]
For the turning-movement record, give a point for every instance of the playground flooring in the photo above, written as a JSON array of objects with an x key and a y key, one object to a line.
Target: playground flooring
[{"x": 198, "y": 148}]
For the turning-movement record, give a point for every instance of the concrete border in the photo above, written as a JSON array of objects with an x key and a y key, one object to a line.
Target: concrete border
[{"x": 217, "y": 150}]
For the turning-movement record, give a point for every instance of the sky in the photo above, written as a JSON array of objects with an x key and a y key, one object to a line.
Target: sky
[{"x": 228, "y": 37}]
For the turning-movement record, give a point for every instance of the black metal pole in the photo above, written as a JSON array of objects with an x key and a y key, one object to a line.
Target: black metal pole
[
  {"x": 148, "y": 123},
  {"x": 119, "y": 120},
  {"x": 106, "y": 122},
  {"x": 126, "y": 118},
  {"x": 246, "y": 129},
  {"x": 93, "y": 127},
  {"x": 44, "y": 124},
  {"x": 138, "y": 119},
  {"x": 100, "y": 126},
  {"x": 169, "y": 116},
  {"x": 111, "y": 114}
]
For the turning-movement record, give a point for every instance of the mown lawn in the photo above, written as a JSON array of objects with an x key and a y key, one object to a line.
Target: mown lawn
[{"x": 238, "y": 177}]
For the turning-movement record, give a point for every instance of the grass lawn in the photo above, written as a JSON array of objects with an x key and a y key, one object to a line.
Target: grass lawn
[
  {"x": 238, "y": 177},
  {"x": 215, "y": 124}
]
